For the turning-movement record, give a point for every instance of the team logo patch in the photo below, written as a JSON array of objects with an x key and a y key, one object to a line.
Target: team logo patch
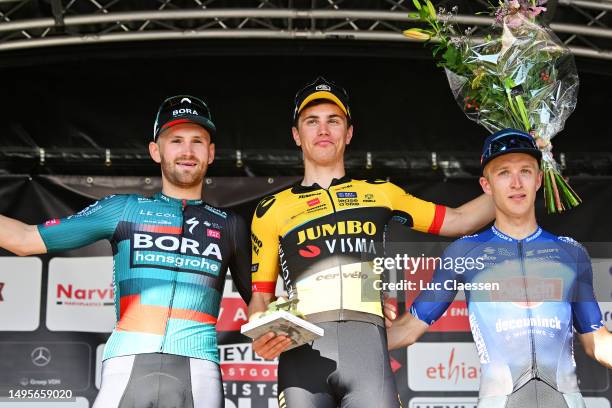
[
  {"x": 51, "y": 223},
  {"x": 254, "y": 267},
  {"x": 264, "y": 206},
  {"x": 310, "y": 251},
  {"x": 213, "y": 233},
  {"x": 313, "y": 202},
  {"x": 346, "y": 194}
]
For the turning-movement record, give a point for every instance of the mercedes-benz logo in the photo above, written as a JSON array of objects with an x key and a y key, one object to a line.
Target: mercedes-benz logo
[{"x": 41, "y": 356}]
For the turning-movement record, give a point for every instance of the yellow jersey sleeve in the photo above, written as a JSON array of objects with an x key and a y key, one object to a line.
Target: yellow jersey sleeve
[
  {"x": 265, "y": 246},
  {"x": 419, "y": 214}
]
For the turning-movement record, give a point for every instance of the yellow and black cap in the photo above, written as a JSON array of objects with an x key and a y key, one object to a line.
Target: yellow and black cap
[
  {"x": 321, "y": 89},
  {"x": 183, "y": 109}
]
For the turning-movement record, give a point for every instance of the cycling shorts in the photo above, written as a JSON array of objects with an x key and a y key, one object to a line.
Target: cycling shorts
[
  {"x": 534, "y": 394},
  {"x": 348, "y": 367},
  {"x": 157, "y": 380}
]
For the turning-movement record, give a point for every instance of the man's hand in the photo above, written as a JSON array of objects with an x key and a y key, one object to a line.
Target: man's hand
[
  {"x": 598, "y": 346},
  {"x": 390, "y": 311},
  {"x": 269, "y": 346},
  {"x": 405, "y": 331}
]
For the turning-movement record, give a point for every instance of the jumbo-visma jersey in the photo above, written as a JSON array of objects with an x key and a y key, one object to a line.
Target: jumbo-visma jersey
[{"x": 322, "y": 242}]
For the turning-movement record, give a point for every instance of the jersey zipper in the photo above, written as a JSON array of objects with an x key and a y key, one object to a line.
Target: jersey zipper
[
  {"x": 174, "y": 278},
  {"x": 534, "y": 361},
  {"x": 341, "y": 317}
]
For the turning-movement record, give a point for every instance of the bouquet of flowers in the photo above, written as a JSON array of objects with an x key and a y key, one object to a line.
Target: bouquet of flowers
[{"x": 518, "y": 76}]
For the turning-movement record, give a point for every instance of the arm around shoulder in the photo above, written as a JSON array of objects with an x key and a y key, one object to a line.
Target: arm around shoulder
[
  {"x": 20, "y": 238},
  {"x": 469, "y": 217}
]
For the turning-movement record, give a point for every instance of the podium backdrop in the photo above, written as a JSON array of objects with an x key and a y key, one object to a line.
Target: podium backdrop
[{"x": 56, "y": 311}]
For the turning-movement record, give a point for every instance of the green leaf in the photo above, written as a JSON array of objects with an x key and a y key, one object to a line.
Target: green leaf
[
  {"x": 414, "y": 14},
  {"x": 431, "y": 8},
  {"x": 416, "y": 4}
]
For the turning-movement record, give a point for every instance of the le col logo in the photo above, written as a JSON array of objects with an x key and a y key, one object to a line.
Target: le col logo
[
  {"x": 323, "y": 88},
  {"x": 184, "y": 111}
]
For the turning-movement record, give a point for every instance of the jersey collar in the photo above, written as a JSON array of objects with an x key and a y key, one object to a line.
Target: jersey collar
[
  {"x": 299, "y": 188},
  {"x": 505, "y": 237},
  {"x": 176, "y": 201}
]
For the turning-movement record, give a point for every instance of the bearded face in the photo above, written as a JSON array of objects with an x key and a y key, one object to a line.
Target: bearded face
[{"x": 184, "y": 152}]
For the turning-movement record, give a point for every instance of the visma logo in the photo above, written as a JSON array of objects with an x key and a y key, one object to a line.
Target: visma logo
[{"x": 310, "y": 251}]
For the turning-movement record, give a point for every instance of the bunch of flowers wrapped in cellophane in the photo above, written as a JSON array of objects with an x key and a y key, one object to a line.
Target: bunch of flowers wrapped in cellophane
[{"x": 517, "y": 76}]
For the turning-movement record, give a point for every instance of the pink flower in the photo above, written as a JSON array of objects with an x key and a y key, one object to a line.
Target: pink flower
[{"x": 533, "y": 12}]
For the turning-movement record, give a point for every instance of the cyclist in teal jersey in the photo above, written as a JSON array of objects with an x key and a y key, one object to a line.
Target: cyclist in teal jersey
[{"x": 171, "y": 254}]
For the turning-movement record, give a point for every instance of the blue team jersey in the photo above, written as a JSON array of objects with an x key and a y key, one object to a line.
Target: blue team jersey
[
  {"x": 170, "y": 261},
  {"x": 522, "y": 327}
]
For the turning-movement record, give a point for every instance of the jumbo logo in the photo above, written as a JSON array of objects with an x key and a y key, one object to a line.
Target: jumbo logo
[{"x": 341, "y": 228}]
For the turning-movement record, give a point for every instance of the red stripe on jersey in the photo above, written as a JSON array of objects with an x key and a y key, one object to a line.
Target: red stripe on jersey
[
  {"x": 438, "y": 220},
  {"x": 193, "y": 315},
  {"x": 164, "y": 229},
  {"x": 265, "y": 287},
  {"x": 136, "y": 317}
]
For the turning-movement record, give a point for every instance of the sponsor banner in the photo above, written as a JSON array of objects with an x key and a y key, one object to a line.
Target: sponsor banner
[
  {"x": 248, "y": 380},
  {"x": 592, "y": 402},
  {"x": 250, "y": 395},
  {"x": 78, "y": 402},
  {"x": 20, "y": 289},
  {"x": 232, "y": 314},
  {"x": 606, "y": 312},
  {"x": 80, "y": 295},
  {"x": 233, "y": 311},
  {"x": 602, "y": 278},
  {"x": 472, "y": 402},
  {"x": 240, "y": 363},
  {"x": 443, "y": 402},
  {"x": 44, "y": 365},
  {"x": 455, "y": 319},
  {"x": 99, "y": 356},
  {"x": 443, "y": 367}
]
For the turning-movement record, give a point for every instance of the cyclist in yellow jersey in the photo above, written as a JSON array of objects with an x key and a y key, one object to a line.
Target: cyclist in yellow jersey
[{"x": 320, "y": 235}]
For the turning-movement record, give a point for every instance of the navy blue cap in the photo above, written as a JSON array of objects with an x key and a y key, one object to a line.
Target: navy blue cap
[{"x": 508, "y": 141}]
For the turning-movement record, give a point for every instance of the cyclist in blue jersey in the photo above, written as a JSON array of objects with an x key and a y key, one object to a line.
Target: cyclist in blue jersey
[
  {"x": 171, "y": 254},
  {"x": 523, "y": 327}
]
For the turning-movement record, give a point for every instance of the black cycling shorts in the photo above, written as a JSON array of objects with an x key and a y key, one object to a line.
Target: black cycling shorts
[
  {"x": 348, "y": 367},
  {"x": 158, "y": 380}
]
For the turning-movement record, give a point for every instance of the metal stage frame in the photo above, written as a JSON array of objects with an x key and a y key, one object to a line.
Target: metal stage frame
[{"x": 584, "y": 25}]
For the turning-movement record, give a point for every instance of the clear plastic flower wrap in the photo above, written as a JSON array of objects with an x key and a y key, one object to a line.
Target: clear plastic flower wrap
[{"x": 519, "y": 75}]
